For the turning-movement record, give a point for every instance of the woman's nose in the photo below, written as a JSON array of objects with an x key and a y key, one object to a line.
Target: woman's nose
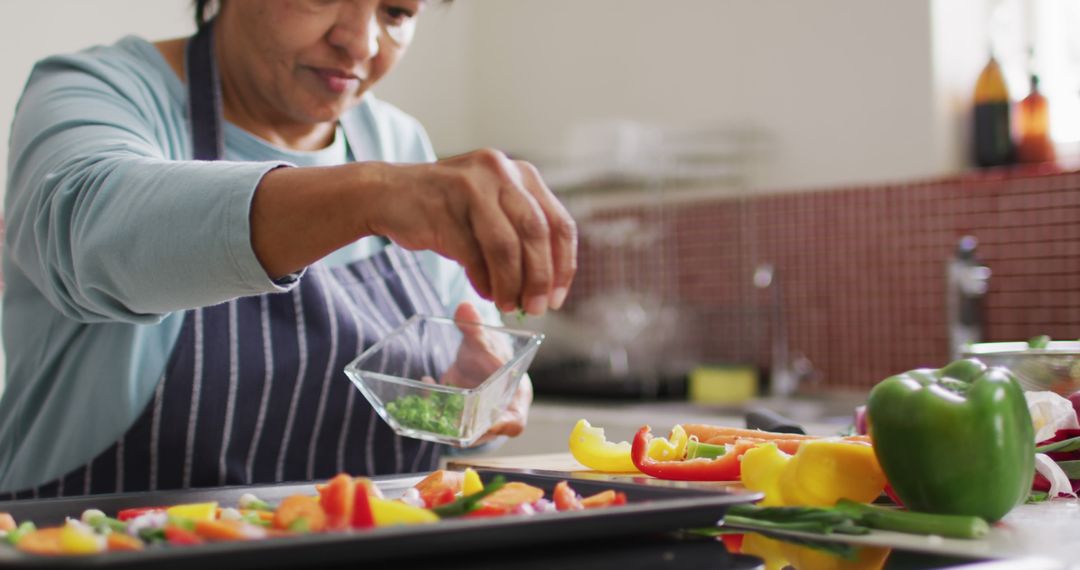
[{"x": 357, "y": 35}]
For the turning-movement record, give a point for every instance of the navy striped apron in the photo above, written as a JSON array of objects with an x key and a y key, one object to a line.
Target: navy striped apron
[{"x": 254, "y": 390}]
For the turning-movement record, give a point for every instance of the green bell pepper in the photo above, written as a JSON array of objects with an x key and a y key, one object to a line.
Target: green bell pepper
[{"x": 957, "y": 440}]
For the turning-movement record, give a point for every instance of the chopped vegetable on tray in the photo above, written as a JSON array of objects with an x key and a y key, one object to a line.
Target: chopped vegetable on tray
[{"x": 343, "y": 504}]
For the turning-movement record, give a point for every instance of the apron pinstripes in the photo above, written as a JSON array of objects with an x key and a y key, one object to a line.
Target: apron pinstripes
[
  {"x": 333, "y": 430},
  {"x": 254, "y": 390}
]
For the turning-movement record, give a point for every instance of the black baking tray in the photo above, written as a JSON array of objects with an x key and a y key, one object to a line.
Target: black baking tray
[{"x": 650, "y": 510}]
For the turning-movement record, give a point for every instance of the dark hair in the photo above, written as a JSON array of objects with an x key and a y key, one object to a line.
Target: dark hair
[{"x": 204, "y": 11}]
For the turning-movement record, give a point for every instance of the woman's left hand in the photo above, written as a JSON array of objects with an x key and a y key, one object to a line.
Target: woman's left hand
[
  {"x": 512, "y": 421},
  {"x": 478, "y": 357}
]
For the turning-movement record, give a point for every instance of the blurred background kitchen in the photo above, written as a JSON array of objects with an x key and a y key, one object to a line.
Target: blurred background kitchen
[{"x": 780, "y": 203}]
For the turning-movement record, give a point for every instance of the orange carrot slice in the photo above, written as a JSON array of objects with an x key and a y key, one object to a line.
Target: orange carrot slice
[
  {"x": 118, "y": 541},
  {"x": 45, "y": 541},
  {"x": 723, "y": 434},
  {"x": 228, "y": 530},
  {"x": 299, "y": 507},
  {"x": 513, "y": 494},
  {"x": 453, "y": 479}
]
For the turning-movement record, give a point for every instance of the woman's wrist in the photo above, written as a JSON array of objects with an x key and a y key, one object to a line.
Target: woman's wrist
[{"x": 300, "y": 215}]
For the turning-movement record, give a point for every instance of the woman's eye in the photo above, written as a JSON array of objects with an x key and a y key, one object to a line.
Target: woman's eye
[{"x": 398, "y": 16}]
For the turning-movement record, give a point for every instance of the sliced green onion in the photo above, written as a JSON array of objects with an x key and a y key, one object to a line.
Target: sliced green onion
[
  {"x": 698, "y": 450},
  {"x": 13, "y": 537},
  {"x": 888, "y": 518},
  {"x": 1063, "y": 446},
  {"x": 249, "y": 501}
]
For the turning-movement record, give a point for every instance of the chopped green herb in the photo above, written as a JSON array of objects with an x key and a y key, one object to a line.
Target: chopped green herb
[
  {"x": 1039, "y": 342},
  {"x": 436, "y": 413},
  {"x": 1037, "y": 497}
]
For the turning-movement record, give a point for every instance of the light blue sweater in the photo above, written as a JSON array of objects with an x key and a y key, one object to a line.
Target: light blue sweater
[{"x": 113, "y": 232}]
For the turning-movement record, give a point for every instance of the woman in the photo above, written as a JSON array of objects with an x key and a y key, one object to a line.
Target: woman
[{"x": 199, "y": 238}]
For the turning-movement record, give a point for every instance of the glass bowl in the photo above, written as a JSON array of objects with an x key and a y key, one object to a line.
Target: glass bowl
[
  {"x": 442, "y": 380},
  {"x": 1055, "y": 368}
]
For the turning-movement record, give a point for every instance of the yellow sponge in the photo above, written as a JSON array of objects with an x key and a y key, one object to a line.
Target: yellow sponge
[{"x": 722, "y": 384}]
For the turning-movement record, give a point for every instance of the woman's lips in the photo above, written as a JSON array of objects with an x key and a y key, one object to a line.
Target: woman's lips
[{"x": 336, "y": 80}]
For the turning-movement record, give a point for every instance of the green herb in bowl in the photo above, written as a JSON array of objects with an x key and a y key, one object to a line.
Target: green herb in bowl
[{"x": 437, "y": 413}]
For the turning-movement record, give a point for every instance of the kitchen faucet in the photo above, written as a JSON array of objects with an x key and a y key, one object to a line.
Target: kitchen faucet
[
  {"x": 785, "y": 372},
  {"x": 966, "y": 282}
]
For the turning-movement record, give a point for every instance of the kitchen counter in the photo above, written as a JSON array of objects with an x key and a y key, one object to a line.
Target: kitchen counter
[
  {"x": 1045, "y": 535},
  {"x": 1049, "y": 532},
  {"x": 550, "y": 420}
]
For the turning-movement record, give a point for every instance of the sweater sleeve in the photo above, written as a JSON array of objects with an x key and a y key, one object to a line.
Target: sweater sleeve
[{"x": 104, "y": 219}]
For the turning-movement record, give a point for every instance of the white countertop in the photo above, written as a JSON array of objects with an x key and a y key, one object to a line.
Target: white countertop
[{"x": 1049, "y": 530}]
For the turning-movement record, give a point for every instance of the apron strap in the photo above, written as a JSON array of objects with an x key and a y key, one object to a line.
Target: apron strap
[{"x": 204, "y": 96}]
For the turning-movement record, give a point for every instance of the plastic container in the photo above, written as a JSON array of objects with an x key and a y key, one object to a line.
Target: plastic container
[
  {"x": 442, "y": 380},
  {"x": 1055, "y": 368}
]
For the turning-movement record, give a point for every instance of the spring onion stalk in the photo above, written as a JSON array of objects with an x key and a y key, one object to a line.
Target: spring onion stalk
[
  {"x": 250, "y": 502},
  {"x": 101, "y": 522},
  {"x": 468, "y": 503},
  {"x": 698, "y": 450},
  {"x": 887, "y": 518},
  {"x": 798, "y": 519}
]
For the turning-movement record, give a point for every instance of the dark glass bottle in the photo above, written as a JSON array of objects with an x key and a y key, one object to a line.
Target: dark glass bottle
[{"x": 993, "y": 139}]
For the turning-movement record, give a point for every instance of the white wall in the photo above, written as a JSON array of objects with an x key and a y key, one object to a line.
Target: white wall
[
  {"x": 846, "y": 87},
  {"x": 33, "y": 29}
]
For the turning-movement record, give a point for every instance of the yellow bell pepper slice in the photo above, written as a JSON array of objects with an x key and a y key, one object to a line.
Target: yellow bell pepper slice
[
  {"x": 761, "y": 470},
  {"x": 767, "y": 549},
  {"x": 77, "y": 540},
  {"x": 829, "y": 470},
  {"x": 863, "y": 558},
  {"x": 194, "y": 511},
  {"x": 389, "y": 513},
  {"x": 671, "y": 449},
  {"x": 472, "y": 483},
  {"x": 591, "y": 448},
  {"x": 821, "y": 473}
]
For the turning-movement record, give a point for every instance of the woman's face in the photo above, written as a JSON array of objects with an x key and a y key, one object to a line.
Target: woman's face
[{"x": 307, "y": 61}]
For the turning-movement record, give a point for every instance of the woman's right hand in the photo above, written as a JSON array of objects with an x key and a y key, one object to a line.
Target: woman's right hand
[{"x": 493, "y": 215}]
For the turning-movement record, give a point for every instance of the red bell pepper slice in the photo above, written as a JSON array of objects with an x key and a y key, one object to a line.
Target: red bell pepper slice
[
  {"x": 896, "y": 498},
  {"x": 336, "y": 498},
  {"x": 128, "y": 514},
  {"x": 723, "y": 468},
  {"x": 604, "y": 499},
  {"x": 733, "y": 542},
  {"x": 566, "y": 499},
  {"x": 362, "y": 517},
  {"x": 181, "y": 536},
  {"x": 487, "y": 511},
  {"x": 437, "y": 495}
]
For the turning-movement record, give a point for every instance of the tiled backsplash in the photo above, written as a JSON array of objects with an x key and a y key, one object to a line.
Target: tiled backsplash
[{"x": 862, "y": 270}]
